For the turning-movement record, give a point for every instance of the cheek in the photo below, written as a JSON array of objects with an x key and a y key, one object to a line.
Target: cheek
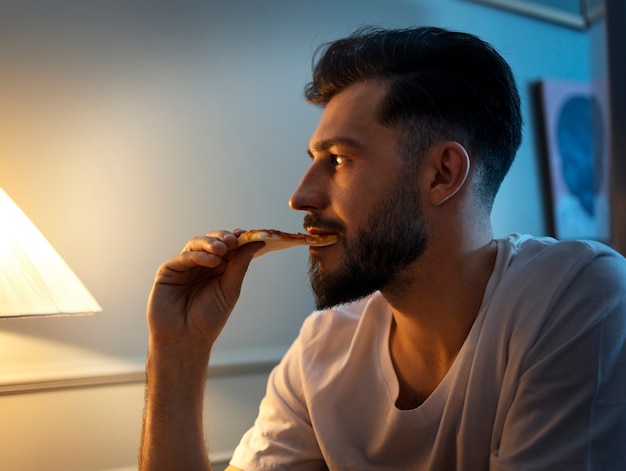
[
  {"x": 356, "y": 193},
  {"x": 357, "y": 200},
  {"x": 350, "y": 207}
]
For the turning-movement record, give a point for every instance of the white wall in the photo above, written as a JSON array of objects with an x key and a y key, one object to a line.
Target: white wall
[{"x": 127, "y": 127}]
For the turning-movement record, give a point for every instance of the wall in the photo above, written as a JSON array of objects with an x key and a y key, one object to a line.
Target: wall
[{"x": 127, "y": 127}]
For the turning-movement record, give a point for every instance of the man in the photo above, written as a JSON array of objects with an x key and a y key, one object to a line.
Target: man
[{"x": 435, "y": 346}]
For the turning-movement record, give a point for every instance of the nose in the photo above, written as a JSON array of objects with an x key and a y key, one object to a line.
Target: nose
[{"x": 310, "y": 194}]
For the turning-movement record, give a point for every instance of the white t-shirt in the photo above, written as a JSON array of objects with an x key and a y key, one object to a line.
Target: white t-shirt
[{"x": 539, "y": 384}]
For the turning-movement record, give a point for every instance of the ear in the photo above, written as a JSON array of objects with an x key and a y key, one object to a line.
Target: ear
[{"x": 450, "y": 166}]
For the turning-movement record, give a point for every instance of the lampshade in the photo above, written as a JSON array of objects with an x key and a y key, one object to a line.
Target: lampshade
[{"x": 34, "y": 279}]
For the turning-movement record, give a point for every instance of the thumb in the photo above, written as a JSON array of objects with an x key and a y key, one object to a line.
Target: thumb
[{"x": 238, "y": 267}]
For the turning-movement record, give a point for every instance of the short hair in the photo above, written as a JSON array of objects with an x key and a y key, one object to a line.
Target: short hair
[{"x": 442, "y": 85}]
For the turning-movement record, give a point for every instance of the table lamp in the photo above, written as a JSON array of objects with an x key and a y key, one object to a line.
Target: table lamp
[{"x": 34, "y": 279}]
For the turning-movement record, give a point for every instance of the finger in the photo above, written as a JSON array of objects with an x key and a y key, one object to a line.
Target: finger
[
  {"x": 214, "y": 243},
  {"x": 250, "y": 248},
  {"x": 238, "y": 265},
  {"x": 180, "y": 268},
  {"x": 194, "y": 258},
  {"x": 208, "y": 251},
  {"x": 229, "y": 238}
]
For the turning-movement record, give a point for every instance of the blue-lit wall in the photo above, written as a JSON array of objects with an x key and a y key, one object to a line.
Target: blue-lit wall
[{"x": 127, "y": 127}]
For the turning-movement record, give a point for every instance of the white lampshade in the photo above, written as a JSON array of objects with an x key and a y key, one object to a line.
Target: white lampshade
[{"x": 34, "y": 279}]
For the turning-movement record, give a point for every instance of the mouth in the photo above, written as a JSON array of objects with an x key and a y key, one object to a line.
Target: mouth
[
  {"x": 318, "y": 226},
  {"x": 318, "y": 231},
  {"x": 332, "y": 237}
]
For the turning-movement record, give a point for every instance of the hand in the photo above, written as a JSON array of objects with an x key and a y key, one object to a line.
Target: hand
[
  {"x": 195, "y": 291},
  {"x": 192, "y": 296}
]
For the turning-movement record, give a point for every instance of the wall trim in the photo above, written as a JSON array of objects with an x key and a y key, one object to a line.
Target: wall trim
[{"x": 113, "y": 371}]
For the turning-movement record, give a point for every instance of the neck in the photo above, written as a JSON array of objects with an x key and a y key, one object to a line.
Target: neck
[
  {"x": 435, "y": 303},
  {"x": 449, "y": 279}
]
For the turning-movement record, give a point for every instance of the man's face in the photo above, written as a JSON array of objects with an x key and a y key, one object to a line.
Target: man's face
[
  {"x": 359, "y": 187},
  {"x": 392, "y": 238}
]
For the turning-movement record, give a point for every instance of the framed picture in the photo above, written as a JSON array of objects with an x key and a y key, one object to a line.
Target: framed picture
[
  {"x": 574, "y": 13},
  {"x": 577, "y": 159}
]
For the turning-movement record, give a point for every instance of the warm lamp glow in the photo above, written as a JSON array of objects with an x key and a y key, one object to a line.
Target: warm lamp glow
[{"x": 34, "y": 279}]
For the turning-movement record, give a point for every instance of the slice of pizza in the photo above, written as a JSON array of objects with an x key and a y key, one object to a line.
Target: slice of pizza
[{"x": 278, "y": 240}]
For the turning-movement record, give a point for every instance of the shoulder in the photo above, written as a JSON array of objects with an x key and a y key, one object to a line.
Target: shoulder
[
  {"x": 340, "y": 321},
  {"x": 564, "y": 258},
  {"x": 539, "y": 277},
  {"x": 523, "y": 244},
  {"x": 572, "y": 284},
  {"x": 330, "y": 336}
]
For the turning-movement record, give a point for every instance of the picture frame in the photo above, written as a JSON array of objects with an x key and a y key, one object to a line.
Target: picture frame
[
  {"x": 576, "y": 157},
  {"x": 577, "y": 14}
]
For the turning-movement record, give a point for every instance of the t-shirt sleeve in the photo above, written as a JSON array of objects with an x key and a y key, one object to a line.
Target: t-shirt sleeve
[
  {"x": 569, "y": 410},
  {"x": 282, "y": 437}
]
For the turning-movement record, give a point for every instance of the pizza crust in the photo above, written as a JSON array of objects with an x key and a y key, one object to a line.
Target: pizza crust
[{"x": 278, "y": 240}]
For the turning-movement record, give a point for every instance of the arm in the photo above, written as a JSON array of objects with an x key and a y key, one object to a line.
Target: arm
[
  {"x": 192, "y": 296},
  {"x": 569, "y": 411}
]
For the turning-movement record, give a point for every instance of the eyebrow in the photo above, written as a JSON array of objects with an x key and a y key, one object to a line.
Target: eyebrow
[{"x": 328, "y": 143}]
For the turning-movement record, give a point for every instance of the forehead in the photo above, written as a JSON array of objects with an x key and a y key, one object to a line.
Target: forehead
[{"x": 352, "y": 114}]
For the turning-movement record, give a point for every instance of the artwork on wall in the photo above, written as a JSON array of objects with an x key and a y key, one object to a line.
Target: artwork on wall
[
  {"x": 577, "y": 159},
  {"x": 574, "y": 13}
]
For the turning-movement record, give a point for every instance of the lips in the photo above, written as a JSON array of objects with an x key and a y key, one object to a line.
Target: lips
[
  {"x": 315, "y": 225},
  {"x": 320, "y": 231}
]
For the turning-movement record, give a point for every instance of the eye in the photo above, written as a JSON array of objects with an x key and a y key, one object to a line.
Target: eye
[{"x": 337, "y": 159}]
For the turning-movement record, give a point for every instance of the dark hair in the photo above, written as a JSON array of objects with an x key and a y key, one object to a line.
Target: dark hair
[{"x": 442, "y": 85}]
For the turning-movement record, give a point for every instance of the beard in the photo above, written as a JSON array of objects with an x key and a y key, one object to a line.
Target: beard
[{"x": 394, "y": 236}]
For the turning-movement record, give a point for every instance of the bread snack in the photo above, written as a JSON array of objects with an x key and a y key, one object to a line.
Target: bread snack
[{"x": 277, "y": 240}]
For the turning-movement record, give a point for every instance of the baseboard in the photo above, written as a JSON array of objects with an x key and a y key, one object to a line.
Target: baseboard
[
  {"x": 217, "y": 466},
  {"x": 108, "y": 371}
]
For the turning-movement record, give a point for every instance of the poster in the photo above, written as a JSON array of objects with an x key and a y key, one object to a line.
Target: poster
[{"x": 577, "y": 160}]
